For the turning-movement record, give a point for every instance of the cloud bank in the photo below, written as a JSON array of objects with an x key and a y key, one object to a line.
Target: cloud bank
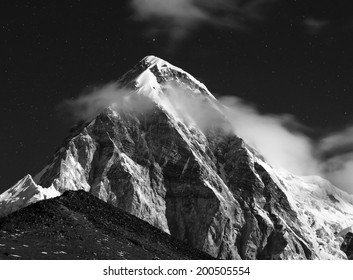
[
  {"x": 278, "y": 138},
  {"x": 336, "y": 150},
  {"x": 273, "y": 136},
  {"x": 177, "y": 18},
  {"x": 314, "y": 25},
  {"x": 93, "y": 101}
]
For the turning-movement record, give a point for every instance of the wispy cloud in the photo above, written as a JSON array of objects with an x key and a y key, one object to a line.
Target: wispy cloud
[
  {"x": 177, "y": 18},
  {"x": 279, "y": 138},
  {"x": 338, "y": 141},
  {"x": 336, "y": 150},
  {"x": 339, "y": 170},
  {"x": 273, "y": 136},
  {"x": 93, "y": 101},
  {"x": 314, "y": 25}
]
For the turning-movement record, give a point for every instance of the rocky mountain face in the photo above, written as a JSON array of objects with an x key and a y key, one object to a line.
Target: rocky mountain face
[{"x": 190, "y": 175}]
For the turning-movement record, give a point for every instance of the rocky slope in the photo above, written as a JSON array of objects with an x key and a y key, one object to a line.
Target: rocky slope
[
  {"x": 187, "y": 174},
  {"x": 78, "y": 225}
]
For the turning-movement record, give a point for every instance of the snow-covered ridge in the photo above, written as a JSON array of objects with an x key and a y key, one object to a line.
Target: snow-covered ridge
[
  {"x": 23, "y": 193},
  {"x": 325, "y": 211},
  {"x": 328, "y": 189}
]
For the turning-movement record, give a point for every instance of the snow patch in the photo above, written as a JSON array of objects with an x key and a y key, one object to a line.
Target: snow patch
[{"x": 148, "y": 85}]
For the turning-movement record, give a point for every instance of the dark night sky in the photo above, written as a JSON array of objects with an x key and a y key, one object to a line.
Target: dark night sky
[{"x": 283, "y": 56}]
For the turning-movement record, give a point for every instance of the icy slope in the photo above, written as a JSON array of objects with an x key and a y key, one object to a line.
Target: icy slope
[
  {"x": 326, "y": 213},
  {"x": 324, "y": 209}
]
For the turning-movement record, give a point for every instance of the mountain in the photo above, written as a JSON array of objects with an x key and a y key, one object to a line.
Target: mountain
[
  {"x": 23, "y": 193},
  {"x": 78, "y": 225},
  {"x": 167, "y": 154}
]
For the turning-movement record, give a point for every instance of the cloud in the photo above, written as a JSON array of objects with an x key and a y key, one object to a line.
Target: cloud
[
  {"x": 339, "y": 171},
  {"x": 191, "y": 108},
  {"x": 314, "y": 25},
  {"x": 330, "y": 157},
  {"x": 336, "y": 151},
  {"x": 273, "y": 136},
  {"x": 92, "y": 102},
  {"x": 177, "y": 18},
  {"x": 279, "y": 138},
  {"x": 338, "y": 141}
]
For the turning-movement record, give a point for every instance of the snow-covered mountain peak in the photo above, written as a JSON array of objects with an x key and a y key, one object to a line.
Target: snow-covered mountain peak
[
  {"x": 153, "y": 75},
  {"x": 154, "y": 60}
]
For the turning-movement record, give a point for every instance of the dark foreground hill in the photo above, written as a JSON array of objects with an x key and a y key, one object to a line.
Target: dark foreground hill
[{"x": 78, "y": 225}]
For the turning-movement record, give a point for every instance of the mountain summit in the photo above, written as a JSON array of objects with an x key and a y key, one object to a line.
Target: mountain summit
[{"x": 170, "y": 158}]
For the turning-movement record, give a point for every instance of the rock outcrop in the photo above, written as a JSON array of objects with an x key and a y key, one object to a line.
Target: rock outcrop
[
  {"x": 192, "y": 177},
  {"x": 347, "y": 245}
]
